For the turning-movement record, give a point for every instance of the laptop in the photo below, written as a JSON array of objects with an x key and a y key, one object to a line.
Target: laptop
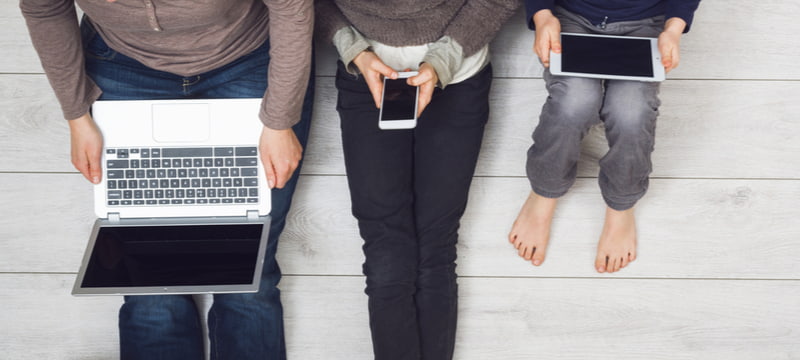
[{"x": 183, "y": 207}]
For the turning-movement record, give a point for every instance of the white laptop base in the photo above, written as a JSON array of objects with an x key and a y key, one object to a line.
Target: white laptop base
[{"x": 188, "y": 169}]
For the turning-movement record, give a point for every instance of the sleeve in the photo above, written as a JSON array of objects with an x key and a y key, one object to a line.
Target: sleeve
[
  {"x": 478, "y": 21},
  {"x": 349, "y": 43},
  {"x": 329, "y": 20},
  {"x": 446, "y": 56},
  {"x": 683, "y": 9},
  {"x": 56, "y": 36},
  {"x": 291, "y": 27},
  {"x": 533, "y": 6}
]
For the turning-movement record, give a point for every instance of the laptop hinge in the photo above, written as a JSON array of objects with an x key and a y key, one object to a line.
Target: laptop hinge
[
  {"x": 252, "y": 215},
  {"x": 113, "y": 218}
]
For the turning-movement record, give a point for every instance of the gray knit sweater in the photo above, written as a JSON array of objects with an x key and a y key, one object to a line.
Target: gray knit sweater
[{"x": 471, "y": 23}]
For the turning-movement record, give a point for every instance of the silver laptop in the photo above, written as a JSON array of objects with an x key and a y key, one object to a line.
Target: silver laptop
[{"x": 184, "y": 205}]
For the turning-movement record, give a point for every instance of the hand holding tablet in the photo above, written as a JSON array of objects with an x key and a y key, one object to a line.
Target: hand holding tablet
[{"x": 608, "y": 57}]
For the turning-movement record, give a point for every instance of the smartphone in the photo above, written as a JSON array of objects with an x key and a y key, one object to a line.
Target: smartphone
[{"x": 399, "y": 103}]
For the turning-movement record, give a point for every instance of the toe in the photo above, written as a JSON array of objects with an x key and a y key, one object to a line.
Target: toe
[
  {"x": 524, "y": 252},
  {"x": 538, "y": 257},
  {"x": 600, "y": 263},
  {"x": 612, "y": 264},
  {"x": 623, "y": 262}
]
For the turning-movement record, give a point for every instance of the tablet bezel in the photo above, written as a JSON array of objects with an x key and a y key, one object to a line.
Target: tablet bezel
[{"x": 658, "y": 69}]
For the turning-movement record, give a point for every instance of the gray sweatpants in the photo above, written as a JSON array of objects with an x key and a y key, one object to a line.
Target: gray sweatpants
[{"x": 627, "y": 108}]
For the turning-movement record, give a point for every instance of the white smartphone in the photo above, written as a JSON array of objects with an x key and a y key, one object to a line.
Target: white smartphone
[
  {"x": 608, "y": 57},
  {"x": 399, "y": 103}
]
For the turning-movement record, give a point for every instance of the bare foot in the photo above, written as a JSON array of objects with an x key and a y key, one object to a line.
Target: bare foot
[
  {"x": 531, "y": 231},
  {"x": 617, "y": 245}
]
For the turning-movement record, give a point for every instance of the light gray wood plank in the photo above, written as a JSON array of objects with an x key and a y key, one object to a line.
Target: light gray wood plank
[
  {"x": 710, "y": 129},
  {"x": 728, "y": 41},
  {"x": 739, "y": 228},
  {"x": 499, "y": 318}
]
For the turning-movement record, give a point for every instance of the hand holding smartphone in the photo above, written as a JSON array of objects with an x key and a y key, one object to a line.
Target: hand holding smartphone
[{"x": 399, "y": 103}]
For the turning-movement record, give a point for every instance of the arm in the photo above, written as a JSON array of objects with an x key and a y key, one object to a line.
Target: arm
[
  {"x": 353, "y": 48},
  {"x": 548, "y": 35},
  {"x": 291, "y": 24},
  {"x": 679, "y": 14},
  {"x": 669, "y": 42},
  {"x": 54, "y": 31}
]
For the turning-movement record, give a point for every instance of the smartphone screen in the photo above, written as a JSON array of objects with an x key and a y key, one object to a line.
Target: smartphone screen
[{"x": 399, "y": 100}]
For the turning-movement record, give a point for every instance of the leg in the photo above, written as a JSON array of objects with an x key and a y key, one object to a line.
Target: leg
[
  {"x": 150, "y": 327},
  {"x": 446, "y": 145},
  {"x": 250, "y": 326},
  {"x": 629, "y": 112},
  {"x": 379, "y": 172},
  {"x": 160, "y": 327},
  {"x": 571, "y": 109}
]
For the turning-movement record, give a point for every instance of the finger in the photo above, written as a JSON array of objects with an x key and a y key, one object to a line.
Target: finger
[
  {"x": 376, "y": 89},
  {"x": 421, "y": 78},
  {"x": 544, "y": 52},
  {"x": 425, "y": 94},
  {"x": 95, "y": 167},
  {"x": 383, "y": 69},
  {"x": 283, "y": 173},
  {"x": 555, "y": 43},
  {"x": 81, "y": 163},
  {"x": 269, "y": 171}
]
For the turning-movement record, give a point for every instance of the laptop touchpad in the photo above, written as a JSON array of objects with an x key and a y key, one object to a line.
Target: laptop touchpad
[{"x": 178, "y": 122}]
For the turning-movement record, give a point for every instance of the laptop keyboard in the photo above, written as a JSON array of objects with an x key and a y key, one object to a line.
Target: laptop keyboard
[{"x": 181, "y": 176}]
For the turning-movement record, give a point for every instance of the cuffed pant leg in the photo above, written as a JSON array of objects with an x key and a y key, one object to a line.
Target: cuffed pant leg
[
  {"x": 629, "y": 112},
  {"x": 572, "y": 107}
]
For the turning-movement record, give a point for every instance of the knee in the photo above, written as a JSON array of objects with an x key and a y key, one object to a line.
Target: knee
[
  {"x": 158, "y": 309},
  {"x": 390, "y": 279},
  {"x": 631, "y": 110},
  {"x": 573, "y": 103}
]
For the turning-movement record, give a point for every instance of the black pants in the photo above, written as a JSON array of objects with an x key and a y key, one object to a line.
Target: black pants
[{"x": 409, "y": 189}]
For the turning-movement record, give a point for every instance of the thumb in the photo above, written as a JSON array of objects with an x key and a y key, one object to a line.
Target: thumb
[
  {"x": 269, "y": 172},
  {"x": 95, "y": 169}
]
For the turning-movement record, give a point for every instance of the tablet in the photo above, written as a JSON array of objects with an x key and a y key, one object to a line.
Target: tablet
[{"x": 608, "y": 57}]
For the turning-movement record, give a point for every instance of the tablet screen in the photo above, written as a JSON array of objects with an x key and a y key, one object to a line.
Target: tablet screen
[
  {"x": 185, "y": 255},
  {"x": 608, "y": 56}
]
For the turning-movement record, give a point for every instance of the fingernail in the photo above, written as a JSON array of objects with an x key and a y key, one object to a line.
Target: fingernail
[
  {"x": 270, "y": 183},
  {"x": 96, "y": 180}
]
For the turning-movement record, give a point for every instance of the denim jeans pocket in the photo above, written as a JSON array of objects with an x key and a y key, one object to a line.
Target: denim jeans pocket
[{"x": 93, "y": 44}]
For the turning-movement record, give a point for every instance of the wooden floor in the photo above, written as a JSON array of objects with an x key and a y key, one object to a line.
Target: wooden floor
[{"x": 718, "y": 275}]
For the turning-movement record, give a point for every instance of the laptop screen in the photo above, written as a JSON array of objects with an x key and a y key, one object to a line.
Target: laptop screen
[{"x": 174, "y": 255}]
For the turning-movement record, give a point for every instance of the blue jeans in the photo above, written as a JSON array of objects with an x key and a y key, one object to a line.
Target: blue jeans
[
  {"x": 241, "y": 326},
  {"x": 627, "y": 108}
]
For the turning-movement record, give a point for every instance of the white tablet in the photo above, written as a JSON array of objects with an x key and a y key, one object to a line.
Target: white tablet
[{"x": 608, "y": 57}]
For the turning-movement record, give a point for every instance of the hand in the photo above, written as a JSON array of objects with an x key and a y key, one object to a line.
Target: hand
[
  {"x": 669, "y": 43},
  {"x": 548, "y": 35},
  {"x": 86, "y": 143},
  {"x": 280, "y": 153},
  {"x": 426, "y": 80},
  {"x": 373, "y": 70}
]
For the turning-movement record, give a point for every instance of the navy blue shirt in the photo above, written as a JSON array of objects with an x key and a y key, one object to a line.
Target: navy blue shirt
[{"x": 599, "y": 11}]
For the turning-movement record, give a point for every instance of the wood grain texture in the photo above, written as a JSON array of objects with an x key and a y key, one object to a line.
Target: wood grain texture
[
  {"x": 513, "y": 319},
  {"x": 687, "y": 229},
  {"x": 708, "y": 129},
  {"x": 748, "y": 40}
]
